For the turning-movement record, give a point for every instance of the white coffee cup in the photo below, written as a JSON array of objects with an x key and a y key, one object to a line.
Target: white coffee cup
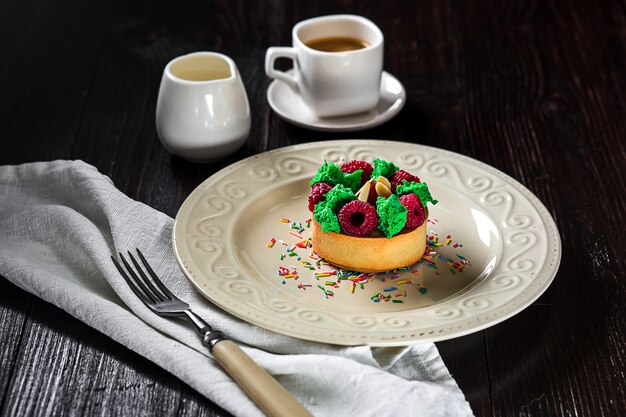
[
  {"x": 332, "y": 83},
  {"x": 202, "y": 110}
]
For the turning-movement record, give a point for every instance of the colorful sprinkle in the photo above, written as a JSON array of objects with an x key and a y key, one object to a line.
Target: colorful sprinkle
[{"x": 332, "y": 276}]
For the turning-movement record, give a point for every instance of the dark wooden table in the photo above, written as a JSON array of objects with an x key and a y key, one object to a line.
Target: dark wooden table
[{"x": 533, "y": 88}]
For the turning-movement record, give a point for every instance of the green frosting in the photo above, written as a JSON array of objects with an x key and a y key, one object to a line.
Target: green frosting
[
  {"x": 325, "y": 212},
  {"x": 418, "y": 188},
  {"x": 391, "y": 214},
  {"x": 338, "y": 196},
  {"x": 384, "y": 168},
  {"x": 326, "y": 218},
  {"x": 353, "y": 180},
  {"x": 329, "y": 173}
]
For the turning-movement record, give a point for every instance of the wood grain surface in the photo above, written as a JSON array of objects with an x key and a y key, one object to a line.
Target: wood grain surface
[{"x": 534, "y": 88}]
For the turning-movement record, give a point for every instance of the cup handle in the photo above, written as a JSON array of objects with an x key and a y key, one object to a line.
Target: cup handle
[{"x": 272, "y": 55}]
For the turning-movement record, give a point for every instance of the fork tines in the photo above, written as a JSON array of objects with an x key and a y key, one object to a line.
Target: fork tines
[{"x": 140, "y": 284}]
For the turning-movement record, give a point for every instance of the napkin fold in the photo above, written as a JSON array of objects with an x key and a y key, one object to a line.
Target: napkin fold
[{"x": 60, "y": 222}]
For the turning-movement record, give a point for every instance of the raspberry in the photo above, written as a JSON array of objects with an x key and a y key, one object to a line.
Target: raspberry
[
  {"x": 351, "y": 166},
  {"x": 400, "y": 176},
  {"x": 416, "y": 214},
  {"x": 357, "y": 218},
  {"x": 373, "y": 195},
  {"x": 318, "y": 191}
]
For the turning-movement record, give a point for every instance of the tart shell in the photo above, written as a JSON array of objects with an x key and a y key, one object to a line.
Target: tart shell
[{"x": 370, "y": 253}]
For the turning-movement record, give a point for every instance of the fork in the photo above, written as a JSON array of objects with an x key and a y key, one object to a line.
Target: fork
[{"x": 271, "y": 397}]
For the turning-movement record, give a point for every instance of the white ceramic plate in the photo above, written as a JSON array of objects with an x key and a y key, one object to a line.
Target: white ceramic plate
[
  {"x": 223, "y": 227},
  {"x": 290, "y": 107}
]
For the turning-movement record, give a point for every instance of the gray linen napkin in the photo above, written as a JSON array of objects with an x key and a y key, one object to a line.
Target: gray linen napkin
[{"x": 59, "y": 223}]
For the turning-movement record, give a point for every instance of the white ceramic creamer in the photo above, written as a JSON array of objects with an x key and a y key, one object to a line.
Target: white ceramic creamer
[{"x": 202, "y": 110}]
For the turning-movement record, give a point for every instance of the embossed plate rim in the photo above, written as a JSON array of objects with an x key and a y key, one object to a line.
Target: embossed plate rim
[{"x": 475, "y": 316}]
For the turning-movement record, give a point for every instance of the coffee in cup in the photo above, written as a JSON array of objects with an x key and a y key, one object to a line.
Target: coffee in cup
[
  {"x": 338, "y": 62},
  {"x": 337, "y": 43}
]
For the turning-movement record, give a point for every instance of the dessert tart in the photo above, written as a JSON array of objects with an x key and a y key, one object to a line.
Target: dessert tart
[{"x": 368, "y": 218}]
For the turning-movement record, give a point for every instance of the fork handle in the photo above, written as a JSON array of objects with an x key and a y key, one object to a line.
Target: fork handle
[{"x": 271, "y": 397}]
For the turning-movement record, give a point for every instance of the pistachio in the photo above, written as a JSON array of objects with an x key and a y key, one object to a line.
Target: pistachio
[
  {"x": 382, "y": 190},
  {"x": 364, "y": 191},
  {"x": 384, "y": 180}
]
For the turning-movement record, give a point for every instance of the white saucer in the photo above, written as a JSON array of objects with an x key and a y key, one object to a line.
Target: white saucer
[{"x": 289, "y": 106}]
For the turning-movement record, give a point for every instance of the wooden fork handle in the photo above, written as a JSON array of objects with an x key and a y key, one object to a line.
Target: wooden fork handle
[{"x": 271, "y": 397}]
